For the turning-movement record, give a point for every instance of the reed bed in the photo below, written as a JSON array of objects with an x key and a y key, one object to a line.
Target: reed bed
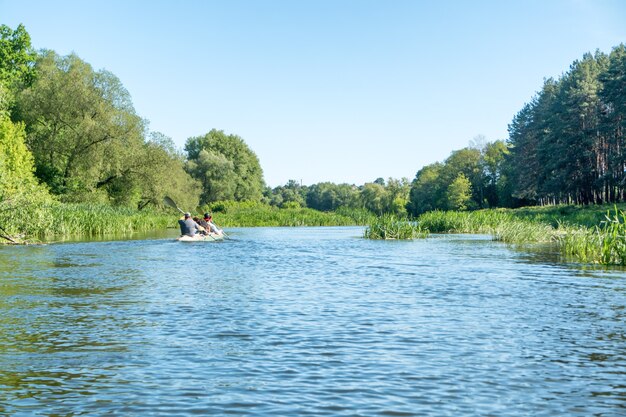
[
  {"x": 246, "y": 214},
  {"x": 482, "y": 221},
  {"x": 388, "y": 227},
  {"x": 65, "y": 219},
  {"x": 568, "y": 227},
  {"x": 604, "y": 244}
]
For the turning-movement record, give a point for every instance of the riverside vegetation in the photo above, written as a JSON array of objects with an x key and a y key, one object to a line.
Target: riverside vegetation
[
  {"x": 588, "y": 235},
  {"x": 76, "y": 159}
]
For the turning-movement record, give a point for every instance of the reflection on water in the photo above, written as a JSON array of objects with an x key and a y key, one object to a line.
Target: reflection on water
[{"x": 308, "y": 321}]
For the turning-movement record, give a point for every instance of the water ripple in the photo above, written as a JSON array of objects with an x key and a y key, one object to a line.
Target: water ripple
[{"x": 307, "y": 321}]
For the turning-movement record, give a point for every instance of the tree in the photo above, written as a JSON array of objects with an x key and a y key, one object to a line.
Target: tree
[
  {"x": 21, "y": 196},
  {"x": 397, "y": 196},
  {"x": 532, "y": 144},
  {"x": 493, "y": 160},
  {"x": 17, "y": 58},
  {"x": 216, "y": 174},
  {"x": 427, "y": 190},
  {"x": 374, "y": 197},
  {"x": 578, "y": 128},
  {"x": 466, "y": 161},
  {"x": 291, "y": 194},
  {"x": 241, "y": 181},
  {"x": 613, "y": 96},
  {"x": 81, "y": 128},
  {"x": 459, "y": 194},
  {"x": 163, "y": 174},
  {"x": 326, "y": 196}
]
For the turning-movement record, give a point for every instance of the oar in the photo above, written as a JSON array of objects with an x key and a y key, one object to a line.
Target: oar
[{"x": 169, "y": 202}]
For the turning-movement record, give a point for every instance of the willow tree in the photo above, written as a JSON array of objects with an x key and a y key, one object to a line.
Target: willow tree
[
  {"x": 225, "y": 166},
  {"x": 163, "y": 174},
  {"x": 81, "y": 127}
]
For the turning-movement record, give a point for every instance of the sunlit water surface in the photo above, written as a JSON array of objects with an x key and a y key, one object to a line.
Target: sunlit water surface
[{"x": 308, "y": 321}]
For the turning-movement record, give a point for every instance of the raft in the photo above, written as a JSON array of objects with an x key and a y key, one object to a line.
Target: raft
[{"x": 211, "y": 237}]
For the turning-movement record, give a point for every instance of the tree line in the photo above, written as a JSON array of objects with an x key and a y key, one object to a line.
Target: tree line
[
  {"x": 77, "y": 138},
  {"x": 566, "y": 145},
  {"x": 70, "y": 133}
]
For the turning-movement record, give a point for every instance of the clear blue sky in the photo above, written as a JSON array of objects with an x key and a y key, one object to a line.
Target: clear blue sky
[{"x": 339, "y": 90}]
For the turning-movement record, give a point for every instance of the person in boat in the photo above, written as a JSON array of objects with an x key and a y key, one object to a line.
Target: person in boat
[
  {"x": 203, "y": 224},
  {"x": 187, "y": 226},
  {"x": 211, "y": 226}
]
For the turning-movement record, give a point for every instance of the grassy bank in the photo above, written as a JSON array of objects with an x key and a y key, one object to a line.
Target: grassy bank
[
  {"x": 47, "y": 221},
  {"x": 595, "y": 234},
  {"x": 63, "y": 219},
  {"x": 247, "y": 214}
]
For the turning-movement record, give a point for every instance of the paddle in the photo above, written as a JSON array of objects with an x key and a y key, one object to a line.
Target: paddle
[{"x": 169, "y": 202}]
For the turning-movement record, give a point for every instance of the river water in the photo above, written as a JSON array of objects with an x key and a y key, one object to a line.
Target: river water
[{"x": 308, "y": 321}]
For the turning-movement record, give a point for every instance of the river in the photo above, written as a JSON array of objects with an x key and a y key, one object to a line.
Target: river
[{"x": 308, "y": 321}]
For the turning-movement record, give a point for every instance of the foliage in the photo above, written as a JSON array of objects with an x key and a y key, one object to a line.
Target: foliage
[
  {"x": 389, "y": 226},
  {"x": 566, "y": 144},
  {"x": 427, "y": 191},
  {"x": 69, "y": 219},
  {"x": 81, "y": 127},
  {"x": 16, "y": 57},
  {"x": 252, "y": 214},
  {"x": 459, "y": 193},
  {"x": 225, "y": 166},
  {"x": 289, "y": 194},
  {"x": 20, "y": 193},
  {"x": 604, "y": 244},
  {"x": 162, "y": 173},
  {"x": 326, "y": 196}
]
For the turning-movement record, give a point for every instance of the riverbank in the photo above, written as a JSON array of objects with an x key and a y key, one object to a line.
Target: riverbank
[
  {"x": 52, "y": 220},
  {"x": 585, "y": 234},
  {"x": 47, "y": 222}
]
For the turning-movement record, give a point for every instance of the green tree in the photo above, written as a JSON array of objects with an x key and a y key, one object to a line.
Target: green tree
[
  {"x": 327, "y": 196},
  {"x": 163, "y": 174},
  {"x": 493, "y": 159},
  {"x": 428, "y": 190},
  {"x": 216, "y": 174},
  {"x": 21, "y": 196},
  {"x": 17, "y": 58},
  {"x": 374, "y": 197},
  {"x": 578, "y": 131},
  {"x": 291, "y": 194},
  {"x": 459, "y": 194},
  {"x": 237, "y": 174},
  {"x": 466, "y": 161},
  {"x": 397, "y": 196},
  {"x": 613, "y": 110},
  {"x": 533, "y": 145},
  {"x": 81, "y": 128}
]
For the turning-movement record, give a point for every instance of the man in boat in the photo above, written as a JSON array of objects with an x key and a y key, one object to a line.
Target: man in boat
[{"x": 187, "y": 226}]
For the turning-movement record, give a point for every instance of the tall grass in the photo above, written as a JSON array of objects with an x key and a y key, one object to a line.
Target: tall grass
[
  {"x": 482, "y": 221},
  {"x": 389, "y": 226},
  {"x": 604, "y": 244},
  {"x": 65, "y": 219},
  {"x": 249, "y": 214},
  {"x": 574, "y": 230}
]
